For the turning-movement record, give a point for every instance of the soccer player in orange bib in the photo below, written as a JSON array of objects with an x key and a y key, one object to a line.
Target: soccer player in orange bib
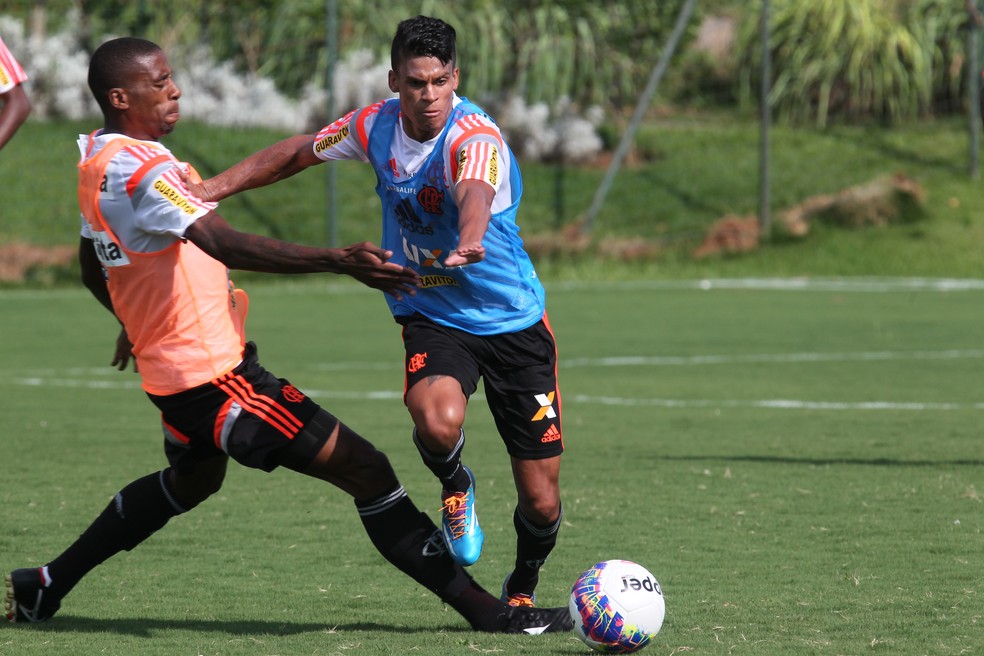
[{"x": 157, "y": 257}]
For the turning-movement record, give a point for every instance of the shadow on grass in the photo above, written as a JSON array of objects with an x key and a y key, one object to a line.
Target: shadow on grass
[
  {"x": 149, "y": 628},
  {"x": 878, "y": 141},
  {"x": 694, "y": 200},
  {"x": 869, "y": 462}
]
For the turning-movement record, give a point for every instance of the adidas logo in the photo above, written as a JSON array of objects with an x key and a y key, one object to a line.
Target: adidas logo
[
  {"x": 552, "y": 434},
  {"x": 434, "y": 546},
  {"x": 535, "y": 630}
]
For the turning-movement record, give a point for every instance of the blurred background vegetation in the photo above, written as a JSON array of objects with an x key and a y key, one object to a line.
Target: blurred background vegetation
[
  {"x": 833, "y": 59},
  {"x": 861, "y": 89}
]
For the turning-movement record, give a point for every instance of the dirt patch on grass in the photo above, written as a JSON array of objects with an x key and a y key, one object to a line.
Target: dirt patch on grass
[
  {"x": 886, "y": 200},
  {"x": 18, "y": 261}
]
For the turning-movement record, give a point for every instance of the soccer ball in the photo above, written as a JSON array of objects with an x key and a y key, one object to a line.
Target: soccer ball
[{"x": 617, "y": 607}]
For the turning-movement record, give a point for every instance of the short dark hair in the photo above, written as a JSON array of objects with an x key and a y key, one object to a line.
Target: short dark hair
[
  {"x": 112, "y": 64},
  {"x": 423, "y": 36}
]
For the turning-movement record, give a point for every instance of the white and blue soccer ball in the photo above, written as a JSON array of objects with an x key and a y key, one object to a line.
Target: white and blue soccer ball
[{"x": 617, "y": 607}]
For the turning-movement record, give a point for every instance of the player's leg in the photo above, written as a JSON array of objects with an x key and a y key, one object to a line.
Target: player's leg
[
  {"x": 406, "y": 537},
  {"x": 537, "y": 519},
  {"x": 197, "y": 469},
  {"x": 437, "y": 406},
  {"x": 525, "y": 402},
  {"x": 134, "y": 514},
  {"x": 441, "y": 373},
  {"x": 399, "y": 531}
]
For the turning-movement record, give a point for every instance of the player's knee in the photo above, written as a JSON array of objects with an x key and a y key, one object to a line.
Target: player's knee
[
  {"x": 543, "y": 514},
  {"x": 212, "y": 484},
  {"x": 194, "y": 487},
  {"x": 438, "y": 419},
  {"x": 439, "y": 428},
  {"x": 357, "y": 457},
  {"x": 370, "y": 472},
  {"x": 542, "y": 509},
  {"x": 375, "y": 464}
]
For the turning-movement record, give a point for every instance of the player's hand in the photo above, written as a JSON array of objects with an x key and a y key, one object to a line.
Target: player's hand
[
  {"x": 196, "y": 186},
  {"x": 465, "y": 254},
  {"x": 124, "y": 353},
  {"x": 369, "y": 264}
]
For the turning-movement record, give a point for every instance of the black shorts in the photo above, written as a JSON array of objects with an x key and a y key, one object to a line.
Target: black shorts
[
  {"x": 519, "y": 372},
  {"x": 259, "y": 420}
]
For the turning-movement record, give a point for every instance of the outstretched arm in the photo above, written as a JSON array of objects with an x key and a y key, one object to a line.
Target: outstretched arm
[
  {"x": 474, "y": 199},
  {"x": 16, "y": 107},
  {"x": 281, "y": 160},
  {"x": 365, "y": 262}
]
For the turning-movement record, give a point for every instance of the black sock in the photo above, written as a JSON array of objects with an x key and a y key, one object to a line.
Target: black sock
[
  {"x": 448, "y": 467},
  {"x": 533, "y": 545},
  {"x": 134, "y": 514},
  {"x": 408, "y": 539}
]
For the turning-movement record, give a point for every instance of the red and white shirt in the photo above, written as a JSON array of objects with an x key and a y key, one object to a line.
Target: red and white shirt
[
  {"x": 11, "y": 73},
  {"x": 144, "y": 200},
  {"x": 180, "y": 310}
]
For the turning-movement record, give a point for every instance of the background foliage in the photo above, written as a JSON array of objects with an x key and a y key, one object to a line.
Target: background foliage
[
  {"x": 858, "y": 59},
  {"x": 691, "y": 167},
  {"x": 589, "y": 51},
  {"x": 888, "y": 60}
]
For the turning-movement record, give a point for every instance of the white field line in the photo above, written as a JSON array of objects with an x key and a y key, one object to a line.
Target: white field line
[
  {"x": 612, "y": 361},
  {"x": 771, "y": 404},
  {"x": 804, "y": 284},
  {"x": 771, "y": 358},
  {"x": 698, "y": 360},
  {"x": 866, "y": 285},
  {"x": 391, "y": 395},
  {"x": 99, "y": 378}
]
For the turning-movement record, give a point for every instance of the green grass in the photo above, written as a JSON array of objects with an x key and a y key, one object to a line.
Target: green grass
[
  {"x": 699, "y": 170},
  {"x": 800, "y": 469}
]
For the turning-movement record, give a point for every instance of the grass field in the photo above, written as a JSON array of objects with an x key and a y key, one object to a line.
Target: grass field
[{"x": 798, "y": 465}]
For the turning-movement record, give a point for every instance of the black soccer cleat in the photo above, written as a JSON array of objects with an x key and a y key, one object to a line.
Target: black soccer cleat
[
  {"x": 27, "y": 597},
  {"x": 534, "y": 621}
]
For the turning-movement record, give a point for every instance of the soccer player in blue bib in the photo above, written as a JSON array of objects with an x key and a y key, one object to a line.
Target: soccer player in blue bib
[{"x": 450, "y": 191}]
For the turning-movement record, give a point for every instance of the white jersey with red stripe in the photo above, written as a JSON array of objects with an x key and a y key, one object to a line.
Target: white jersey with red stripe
[
  {"x": 143, "y": 198},
  {"x": 11, "y": 72},
  {"x": 181, "y": 313}
]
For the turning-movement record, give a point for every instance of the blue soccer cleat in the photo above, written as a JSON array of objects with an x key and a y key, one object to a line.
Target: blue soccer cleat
[{"x": 459, "y": 525}]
